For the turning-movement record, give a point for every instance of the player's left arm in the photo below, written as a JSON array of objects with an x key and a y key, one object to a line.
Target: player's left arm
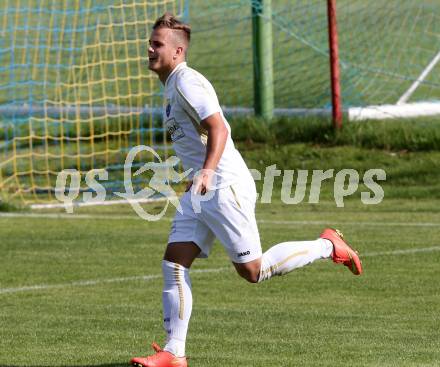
[{"x": 215, "y": 146}]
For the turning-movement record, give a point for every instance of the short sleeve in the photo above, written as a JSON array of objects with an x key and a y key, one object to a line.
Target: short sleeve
[{"x": 196, "y": 96}]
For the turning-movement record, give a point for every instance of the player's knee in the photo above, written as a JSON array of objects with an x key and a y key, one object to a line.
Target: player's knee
[
  {"x": 250, "y": 270},
  {"x": 252, "y": 278},
  {"x": 251, "y": 275}
]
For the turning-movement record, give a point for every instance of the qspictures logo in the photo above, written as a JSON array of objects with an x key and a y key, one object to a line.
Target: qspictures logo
[{"x": 163, "y": 174}]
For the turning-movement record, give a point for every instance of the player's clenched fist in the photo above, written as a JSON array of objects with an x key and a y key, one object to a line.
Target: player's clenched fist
[{"x": 202, "y": 181}]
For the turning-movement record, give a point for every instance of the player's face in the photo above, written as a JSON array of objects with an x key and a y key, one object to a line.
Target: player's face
[{"x": 162, "y": 51}]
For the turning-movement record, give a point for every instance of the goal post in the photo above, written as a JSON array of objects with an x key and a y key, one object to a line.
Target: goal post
[
  {"x": 262, "y": 58},
  {"x": 334, "y": 64},
  {"x": 262, "y": 41}
]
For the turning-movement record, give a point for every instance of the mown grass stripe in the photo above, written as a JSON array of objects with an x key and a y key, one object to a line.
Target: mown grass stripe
[
  {"x": 81, "y": 283},
  {"x": 195, "y": 271},
  {"x": 262, "y": 221}
]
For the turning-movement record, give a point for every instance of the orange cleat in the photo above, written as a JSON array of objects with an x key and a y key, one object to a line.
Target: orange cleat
[
  {"x": 160, "y": 359},
  {"x": 342, "y": 252}
]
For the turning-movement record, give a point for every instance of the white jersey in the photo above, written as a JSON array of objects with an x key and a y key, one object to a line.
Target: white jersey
[{"x": 189, "y": 99}]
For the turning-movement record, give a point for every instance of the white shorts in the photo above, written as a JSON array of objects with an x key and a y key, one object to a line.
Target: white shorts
[{"x": 228, "y": 215}]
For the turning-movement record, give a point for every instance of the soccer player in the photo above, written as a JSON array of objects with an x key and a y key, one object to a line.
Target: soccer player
[{"x": 201, "y": 137}]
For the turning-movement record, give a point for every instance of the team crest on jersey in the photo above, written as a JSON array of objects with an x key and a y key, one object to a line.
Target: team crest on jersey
[
  {"x": 168, "y": 109},
  {"x": 175, "y": 130}
]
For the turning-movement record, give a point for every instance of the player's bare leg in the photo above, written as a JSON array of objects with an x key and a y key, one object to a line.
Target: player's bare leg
[
  {"x": 182, "y": 253},
  {"x": 250, "y": 270},
  {"x": 177, "y": 306}
]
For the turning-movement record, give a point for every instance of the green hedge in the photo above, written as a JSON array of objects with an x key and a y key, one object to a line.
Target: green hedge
[{"x": 395, "y": 135}]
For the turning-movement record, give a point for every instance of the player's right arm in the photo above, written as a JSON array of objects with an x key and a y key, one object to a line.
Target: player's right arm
[
  {"x": 199, "y": 101},
  {"x": 217, "y": 137}
]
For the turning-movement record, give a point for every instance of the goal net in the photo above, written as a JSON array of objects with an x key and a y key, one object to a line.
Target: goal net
[
  {"x": 76, "y": 93},
  {"x": 75, "y": 90},
  {"x": 389, "y": 55}
]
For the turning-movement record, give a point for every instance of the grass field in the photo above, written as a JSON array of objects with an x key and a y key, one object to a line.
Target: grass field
[{"x": 85, "y": 290}]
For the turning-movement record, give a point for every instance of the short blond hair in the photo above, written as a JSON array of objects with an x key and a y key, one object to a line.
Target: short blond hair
[{"x": 169, "y": 21}]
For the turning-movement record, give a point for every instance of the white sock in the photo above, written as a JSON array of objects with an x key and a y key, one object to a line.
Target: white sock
[
  {"x": 284, "y": 257},
  {"x": 177, "y": 306}
]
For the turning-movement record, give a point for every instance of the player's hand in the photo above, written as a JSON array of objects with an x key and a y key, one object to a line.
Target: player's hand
[{"x": 202, "y": 181}]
